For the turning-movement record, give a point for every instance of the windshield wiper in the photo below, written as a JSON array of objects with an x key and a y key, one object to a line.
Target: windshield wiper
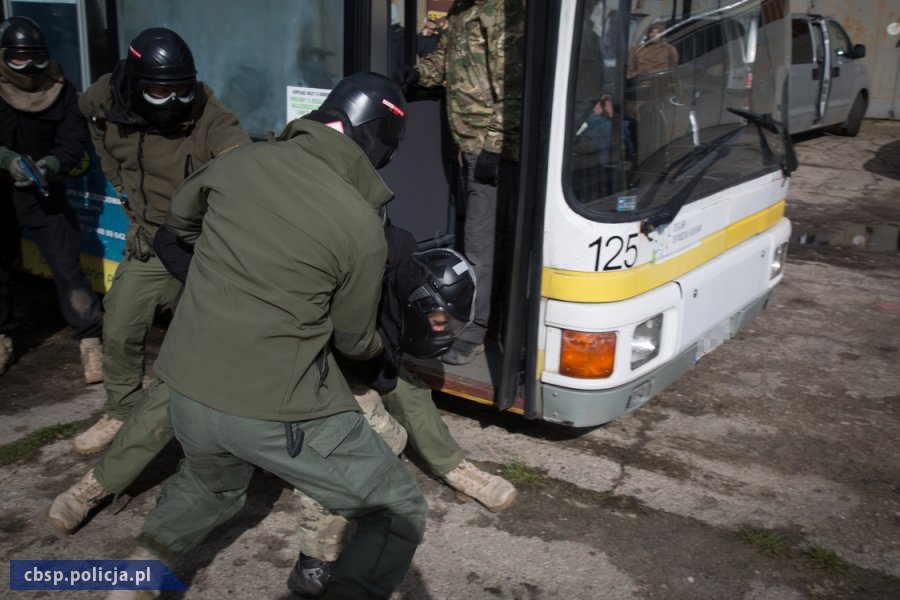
[
  {"x": 789, "y": 161},
  {"x": 695, "y": 163}
]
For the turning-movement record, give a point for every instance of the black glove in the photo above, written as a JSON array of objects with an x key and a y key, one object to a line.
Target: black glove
[
  {"x": 487, "y": 168},
  {"x": 406, "y": 77},
  {"x": 379, "y": 373},
  {"x": 173, "y": 253}
]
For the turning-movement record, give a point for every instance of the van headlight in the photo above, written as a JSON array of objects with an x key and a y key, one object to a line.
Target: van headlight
[
  {"x": 645, "y": 341},
  {"x": 778, "y": 261}
]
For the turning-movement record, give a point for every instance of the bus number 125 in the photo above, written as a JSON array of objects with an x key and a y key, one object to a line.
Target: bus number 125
[{"x": 617, "y": 250}]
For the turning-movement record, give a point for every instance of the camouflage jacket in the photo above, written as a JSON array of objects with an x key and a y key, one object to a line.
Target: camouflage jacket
[{"x": 480, "y": 64}]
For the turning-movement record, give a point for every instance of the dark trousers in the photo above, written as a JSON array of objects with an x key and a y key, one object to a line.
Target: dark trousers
[
  {"x": 54, "y": 228},
  {"x": 487, "y": 240}
]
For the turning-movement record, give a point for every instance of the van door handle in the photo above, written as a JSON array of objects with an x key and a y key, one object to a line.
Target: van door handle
[
  {"x": 815, "y": 74},
  {"x": 835, "y": 71}
]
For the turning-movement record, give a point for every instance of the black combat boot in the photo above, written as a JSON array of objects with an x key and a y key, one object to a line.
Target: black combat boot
[{"x": 309, "y": 576}]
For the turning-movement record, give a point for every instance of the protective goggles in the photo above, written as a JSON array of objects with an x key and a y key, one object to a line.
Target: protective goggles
[
  {"x": 22, "y": 60},
  {"x": 158, "y": 95}
]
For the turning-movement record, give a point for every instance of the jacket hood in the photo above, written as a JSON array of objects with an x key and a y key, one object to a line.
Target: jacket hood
[
  {"x": 342, "y": 154},
  {"x": 27, "y": 93}
]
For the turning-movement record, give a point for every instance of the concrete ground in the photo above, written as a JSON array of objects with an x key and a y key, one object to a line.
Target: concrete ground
[{"x": 770, "y": 471}]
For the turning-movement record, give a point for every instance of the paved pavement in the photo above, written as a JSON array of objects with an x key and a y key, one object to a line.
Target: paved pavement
[{"x": 768, "y": 472}]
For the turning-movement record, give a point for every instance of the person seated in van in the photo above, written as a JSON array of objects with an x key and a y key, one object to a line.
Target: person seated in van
[{"x": 654, "y": 55}]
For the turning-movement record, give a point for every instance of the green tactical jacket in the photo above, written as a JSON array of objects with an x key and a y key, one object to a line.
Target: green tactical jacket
[
  {"x": 289, "y": 260},
  {"x": 480, "y": 64},
  {"x": 149, "y": 166}
]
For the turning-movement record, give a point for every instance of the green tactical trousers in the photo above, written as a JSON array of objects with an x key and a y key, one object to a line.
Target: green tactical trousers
[
  {"x": 322, "y": 534},
  {"x": 138, "y": 290},
  {"x": 411, "y": 405},
  {"x": 343, "y": 465},
  {"x": 145, "y": 433}
]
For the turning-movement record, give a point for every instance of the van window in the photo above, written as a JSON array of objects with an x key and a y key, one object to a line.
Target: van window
[
  {"x": 801, "y": 42},
  {"x": 840, "y": 41}
]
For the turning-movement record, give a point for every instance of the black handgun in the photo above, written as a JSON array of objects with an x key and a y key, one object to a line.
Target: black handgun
[{"x": 36, "y": 176}]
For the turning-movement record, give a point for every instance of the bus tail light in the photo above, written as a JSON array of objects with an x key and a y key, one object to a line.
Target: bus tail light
[
  {"x": 587, "y": 355},
  {"x": 645, "y": 341},
  {"x": 778, "y": 261}
]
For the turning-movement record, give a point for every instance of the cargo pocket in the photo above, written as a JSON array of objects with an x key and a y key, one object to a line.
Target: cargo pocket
[{"x": 357, "y": 458}]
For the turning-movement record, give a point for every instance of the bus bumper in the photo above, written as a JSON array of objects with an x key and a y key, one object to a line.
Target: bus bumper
[{"x": 588, "y": 408}]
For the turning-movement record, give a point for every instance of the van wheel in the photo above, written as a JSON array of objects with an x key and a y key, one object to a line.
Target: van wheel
[{"x": 851, "y": 126}]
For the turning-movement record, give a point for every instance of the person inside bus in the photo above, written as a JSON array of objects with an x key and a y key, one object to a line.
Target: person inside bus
[
  {"x": 480, "y": 65},
  {"x": 153, "y": 123},
  {"x": 595, "y": 152},
  {"x": 39, "y": 118},
  {"x": 653, "y": 55}
]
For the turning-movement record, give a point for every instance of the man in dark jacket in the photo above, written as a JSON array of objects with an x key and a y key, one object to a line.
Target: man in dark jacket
[
  {"x": 39, "y": 119},
  {"x": 287, "y": 268}
]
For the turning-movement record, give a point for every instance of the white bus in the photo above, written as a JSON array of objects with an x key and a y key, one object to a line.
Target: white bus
[{"x": 647, "y": 234}]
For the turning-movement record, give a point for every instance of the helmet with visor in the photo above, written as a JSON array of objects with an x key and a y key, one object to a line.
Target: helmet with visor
[{"x": 24, "y": 45}]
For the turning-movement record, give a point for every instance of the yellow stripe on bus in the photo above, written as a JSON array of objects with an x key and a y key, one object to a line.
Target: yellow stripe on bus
[
  {"x": 578, "y": 286},
  {"x": 99, "y": 271}
]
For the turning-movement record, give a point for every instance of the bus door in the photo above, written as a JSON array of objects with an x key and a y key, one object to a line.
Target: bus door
[{"x": 430, "y": 202}]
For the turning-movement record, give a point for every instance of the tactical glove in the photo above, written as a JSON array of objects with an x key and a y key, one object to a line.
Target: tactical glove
[
  {"x": 406, "y": 77},
  {"x": 49, "y": 166},
  {"x": 379, "y": 372},
  {"x": 487, "y": 168},
  {"x": 19, "y": 175}
]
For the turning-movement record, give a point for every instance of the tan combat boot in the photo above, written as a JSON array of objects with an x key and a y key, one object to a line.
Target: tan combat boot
[
  {"x": 6, "y": 351},
  {"x": 381, "y": 420},
  {"x": 494, "y": 492},
  {"x": 70, "y": 508},
  {"x": 92, "y": 359},
  {"x": 138, "y": 553},
  {"x": 98, "y": 437}
]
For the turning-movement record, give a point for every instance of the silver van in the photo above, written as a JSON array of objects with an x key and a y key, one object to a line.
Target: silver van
[{"x": 829, "y": 84}]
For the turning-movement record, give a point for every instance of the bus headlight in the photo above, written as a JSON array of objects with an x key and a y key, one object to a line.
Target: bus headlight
[
  {"x": 778, "y": 261},
  {"x": 645, "y": 341},
  {"x": 587, "y": 355}
]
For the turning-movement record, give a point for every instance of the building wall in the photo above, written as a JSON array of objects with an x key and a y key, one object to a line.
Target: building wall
[{"x": 875, "y": 23}]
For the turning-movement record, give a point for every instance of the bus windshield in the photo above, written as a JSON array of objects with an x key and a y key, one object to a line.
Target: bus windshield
[{"x": 671, "y": 106}]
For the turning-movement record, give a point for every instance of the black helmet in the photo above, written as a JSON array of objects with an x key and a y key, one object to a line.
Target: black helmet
[
  {"x": 159, "y": 55},
  {"x": 439, "y": 305},
  {"x": 371, "y": 101},
  {"x": 162, "y": 79},
  {"x": 23, "y": 39}
]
